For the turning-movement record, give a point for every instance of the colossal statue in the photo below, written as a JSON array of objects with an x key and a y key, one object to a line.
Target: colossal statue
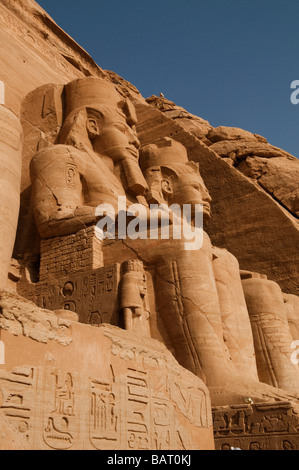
[
  {"x": 198, "y": 302},
  {"x": 97, "y": 143},
  {"x": 112, "y": 341}
]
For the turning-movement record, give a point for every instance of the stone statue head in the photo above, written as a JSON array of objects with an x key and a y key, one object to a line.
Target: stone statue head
[
  {"x": 171, "y": 177},
  {"x": 99, "y": 120},
  {"x": 96, "y": 114}
]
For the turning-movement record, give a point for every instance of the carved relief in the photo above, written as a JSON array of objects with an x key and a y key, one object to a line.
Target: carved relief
[
  {"x": 58, "y": 409},
  {"x": 138, "y": 410},
  {"x": 61, "y": 412},
  {"x": 93, "y": 296},
  {"x": 133, "y": 298},
  {"x": 263, "y": 426},
  {"x": 105, "y": 430},
  {"x": 18, "y": 389}
]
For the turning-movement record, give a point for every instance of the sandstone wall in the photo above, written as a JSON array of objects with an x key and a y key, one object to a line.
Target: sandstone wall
[
  {"x": 254, "y": 208},
  {"x": 71, "y": 386}
]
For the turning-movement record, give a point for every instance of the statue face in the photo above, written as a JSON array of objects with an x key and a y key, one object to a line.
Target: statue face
[
  {"x": 190, "y": 189},
  {"x": 142, "y": 285},
  {"x": 116, "y": 139}
]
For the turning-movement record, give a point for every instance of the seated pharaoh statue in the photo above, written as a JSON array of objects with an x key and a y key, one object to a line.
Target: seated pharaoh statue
[
  {"x": 96, "y": 159},
  {"x": 214, "y": 319}
]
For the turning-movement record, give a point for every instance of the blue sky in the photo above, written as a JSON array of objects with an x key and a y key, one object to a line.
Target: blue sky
[{"x": 231, "y": 62}]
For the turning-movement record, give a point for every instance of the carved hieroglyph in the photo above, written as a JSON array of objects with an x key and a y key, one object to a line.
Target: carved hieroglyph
[
  {"x": 267, "y": 426},
  {"x": 81, "y": 138},
  {"x": 104, "y": 389}
]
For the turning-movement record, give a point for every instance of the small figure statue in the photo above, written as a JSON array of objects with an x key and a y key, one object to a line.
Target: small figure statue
[{"x": 134, "y": 301}]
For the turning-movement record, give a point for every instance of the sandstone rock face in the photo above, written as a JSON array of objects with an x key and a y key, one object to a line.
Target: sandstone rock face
[
  {"x": 277, "y": 176},
  {"x": 221, "y": 133},
  {"x": 254, "y": 188},
  {"x": 117, "y": 334},
  {"x": 191, "y": 123}
]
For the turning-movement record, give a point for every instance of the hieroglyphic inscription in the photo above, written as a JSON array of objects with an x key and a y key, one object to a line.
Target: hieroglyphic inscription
[
  {"x": 61, "y": 413},
  {"x": 151, "y": 417},
  {"x": 138, "y": 411},
  {"x": 19, "y": 389},
  {"x": 71, "y": 174},
  {"x": 93, "y": 296},
  {"x": 264, "y": 426},
  {"x": 105, "y": 415},
  {"x": 61, "y": 410}
]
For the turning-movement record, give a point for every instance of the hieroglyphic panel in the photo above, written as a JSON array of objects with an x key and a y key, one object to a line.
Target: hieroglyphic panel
[
  {"x": 138, "y": 410},
  {"x": 163, "y": 424},
  {"x": 151, "y": 416},
  {"x": 263, "y": 426},
  {"x": 164, "y": 418},
  {"x": 65, "y": 410},
  {"x": 19, "y": 389},
  {"x": 61, "y": 410},
  {"x": 105, "y": 418},
  {"x": 93, "y": 296}
]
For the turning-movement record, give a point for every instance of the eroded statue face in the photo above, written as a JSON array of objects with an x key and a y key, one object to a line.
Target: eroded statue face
[
  {"x": 142, "y": 285},
  {"x": 116, "y": 139}
]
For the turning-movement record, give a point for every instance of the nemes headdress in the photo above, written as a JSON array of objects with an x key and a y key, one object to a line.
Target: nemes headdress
[
  {"x": 90, "y": 92},
  {"x": 163, "y": 151},
  {"x": 100, "y": 95}
]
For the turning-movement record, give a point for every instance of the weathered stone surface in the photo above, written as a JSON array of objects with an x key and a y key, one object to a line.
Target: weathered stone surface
[
  {"x": 271, "y": 426},
  {"x": 10, "y": 437},
  {"x": 242, "y": 148},
  {"x": 191, "y": 123},
  {"x": 246, "y": 220},
  {"x": 20, "y": 316},
  {"x": 278, "y": 176},
  {"x": 90, "y": 139},
  {"x": 220, "y": 133},
  {"x": 107, "y": 389}
]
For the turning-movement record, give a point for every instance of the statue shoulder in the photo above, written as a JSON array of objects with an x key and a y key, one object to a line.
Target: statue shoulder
[{"x": 58, "y": 156}]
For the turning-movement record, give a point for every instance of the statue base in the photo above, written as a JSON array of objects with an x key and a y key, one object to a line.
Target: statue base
[{"x": 65, "y": 385}]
